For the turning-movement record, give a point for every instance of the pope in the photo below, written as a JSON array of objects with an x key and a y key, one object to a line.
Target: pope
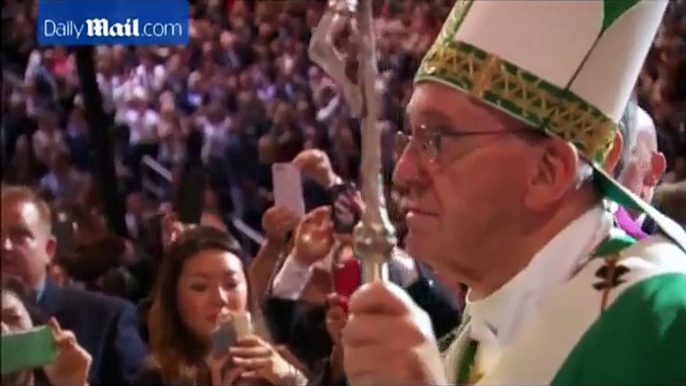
[{"x": 513, "y": 115}]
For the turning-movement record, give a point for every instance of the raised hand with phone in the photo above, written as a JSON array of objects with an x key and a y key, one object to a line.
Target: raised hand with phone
[
  {"x": 71, "y": 363},
  {"x": 223, "y": 369},
  {"x": 27, "y": 349},
  {"x": 306, "y": 271},
  {"x": 277, "y": 222},
  {"x": 346, "y": 207},
  {"x": 315, "y": 164},
  {"x": 241, "y": 357},
  {"x": 314, "y": 236},
  {"x": 63, "y": 361},
  {"x": 261, "y": 360}
]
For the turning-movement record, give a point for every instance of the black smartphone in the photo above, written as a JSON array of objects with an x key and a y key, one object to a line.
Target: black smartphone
[
  {"x": 224, "y": 337},
  {"x": 63, "y": 230},
  {"x": 189, "y": 198},
  {"x": 236, "y": 326},
  {"x": 344, "y": 212}
]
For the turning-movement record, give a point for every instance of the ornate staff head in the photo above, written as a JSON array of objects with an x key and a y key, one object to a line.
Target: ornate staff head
[{"x": 344, "y": 47}]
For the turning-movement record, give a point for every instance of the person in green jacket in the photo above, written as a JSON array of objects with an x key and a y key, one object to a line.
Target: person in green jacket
[{"x": 513, "y": 115}]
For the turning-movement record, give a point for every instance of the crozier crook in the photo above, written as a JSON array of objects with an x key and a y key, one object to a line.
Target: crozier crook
[{"x": 353, "y": 66}]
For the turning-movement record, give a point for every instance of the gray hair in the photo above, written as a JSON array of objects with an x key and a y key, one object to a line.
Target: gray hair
[
  {"x": 584, "y": 173},
  {"x": 627, "y": 127}
]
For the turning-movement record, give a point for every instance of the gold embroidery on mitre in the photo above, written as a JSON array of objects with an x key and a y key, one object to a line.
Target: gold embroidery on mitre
[
  {"x": 494, "y": 80},
  {"x": 485, "y": 76},
  {"x": 454, "y": 20}
]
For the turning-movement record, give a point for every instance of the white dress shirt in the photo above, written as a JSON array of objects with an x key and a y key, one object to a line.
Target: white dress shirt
[
  {"x": 292, "y": 278},
  {"x": 142, "y": 126}
]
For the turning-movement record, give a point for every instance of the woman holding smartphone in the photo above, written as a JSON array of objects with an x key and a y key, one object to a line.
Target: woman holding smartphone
[
  {"x": 201, "y": 282},
  {"x": 70, "y": 362}
]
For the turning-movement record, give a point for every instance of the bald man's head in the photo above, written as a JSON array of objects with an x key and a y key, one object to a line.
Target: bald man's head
[
  {"x": 627, "y": 130},
  {"x": 645, "y": 164},
  {"x": 646, "y": 137}
]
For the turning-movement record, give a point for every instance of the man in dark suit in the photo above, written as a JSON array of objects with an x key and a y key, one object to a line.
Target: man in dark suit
[{"x": 106, "y": 327}]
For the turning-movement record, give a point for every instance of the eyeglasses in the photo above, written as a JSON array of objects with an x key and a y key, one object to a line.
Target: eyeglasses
[{"x": 427, "y": 141}]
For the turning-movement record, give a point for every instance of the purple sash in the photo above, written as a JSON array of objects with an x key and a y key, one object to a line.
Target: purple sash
[{"x": 628, "y": 225}]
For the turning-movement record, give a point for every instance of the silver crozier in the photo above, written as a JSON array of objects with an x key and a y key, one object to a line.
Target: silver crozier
[{"x": 343, "y": 45}]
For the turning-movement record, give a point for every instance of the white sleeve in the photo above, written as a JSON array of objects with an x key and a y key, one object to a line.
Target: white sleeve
[
  {"x": 35, "y": 59},
  {"x": 290, "y": 281}
]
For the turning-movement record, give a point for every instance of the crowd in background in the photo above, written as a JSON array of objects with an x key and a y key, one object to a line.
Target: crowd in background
[
  {"x": 239, "y": 97},
  {"x": 661, "y": 86},
  {"x": 245, "y": 82}
]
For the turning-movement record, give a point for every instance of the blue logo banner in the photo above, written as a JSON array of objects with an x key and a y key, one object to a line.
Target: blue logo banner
[{"x": 109, "y": 22}]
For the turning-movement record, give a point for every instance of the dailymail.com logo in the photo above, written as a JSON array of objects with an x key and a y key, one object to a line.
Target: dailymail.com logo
[
  {"x": 104, "y": 28},
  {"x": 104, "y": 22}
]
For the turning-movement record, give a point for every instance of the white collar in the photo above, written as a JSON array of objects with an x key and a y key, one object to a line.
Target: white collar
[{"x": 497, "y": 318}]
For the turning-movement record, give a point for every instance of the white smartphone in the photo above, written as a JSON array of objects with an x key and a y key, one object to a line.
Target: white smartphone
[
  {"x": 242, "y": 324},
  {"x": 288, "y": 187}
]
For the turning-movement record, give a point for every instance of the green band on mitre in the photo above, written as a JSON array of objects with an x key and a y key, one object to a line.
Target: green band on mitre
[
  {"x": 514, "y": 90},
  {"x": 521, "y": 94}
]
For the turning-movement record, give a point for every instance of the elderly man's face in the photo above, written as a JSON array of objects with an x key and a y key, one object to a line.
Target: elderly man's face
[{"x": 458, "y": 198}]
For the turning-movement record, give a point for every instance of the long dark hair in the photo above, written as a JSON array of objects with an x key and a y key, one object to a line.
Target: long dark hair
[{"x": 172, "y": 346}]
